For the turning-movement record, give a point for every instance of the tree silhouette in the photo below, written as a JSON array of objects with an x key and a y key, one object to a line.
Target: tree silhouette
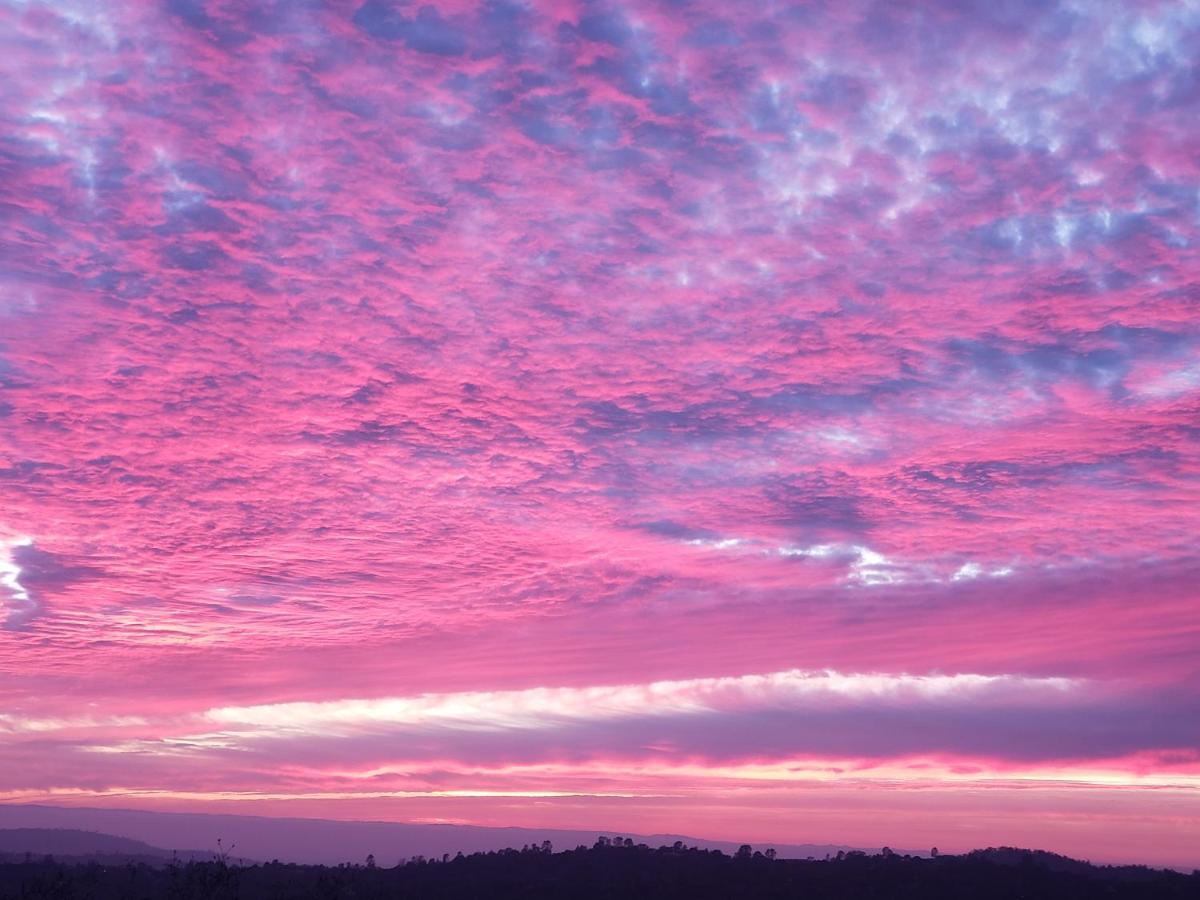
[{"x": 610, "y": 868}]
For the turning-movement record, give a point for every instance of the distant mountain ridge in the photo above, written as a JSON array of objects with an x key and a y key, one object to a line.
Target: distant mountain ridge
[
  {"x": 329, "y": 842},
  {"x": 75, "y": 844}
]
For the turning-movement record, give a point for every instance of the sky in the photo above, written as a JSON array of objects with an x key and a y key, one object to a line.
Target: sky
[{"x": 764, "y": 421}]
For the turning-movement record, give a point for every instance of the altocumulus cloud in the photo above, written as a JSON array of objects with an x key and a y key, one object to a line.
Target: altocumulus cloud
[{"x": 464, "y": 350}]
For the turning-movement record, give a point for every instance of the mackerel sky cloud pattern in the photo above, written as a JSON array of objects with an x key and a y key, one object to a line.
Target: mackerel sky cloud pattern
[{"x": 752, "y": 419}]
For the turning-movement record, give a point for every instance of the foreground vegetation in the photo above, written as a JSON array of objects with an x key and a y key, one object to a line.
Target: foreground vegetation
[{"x": 613, "y": 869}]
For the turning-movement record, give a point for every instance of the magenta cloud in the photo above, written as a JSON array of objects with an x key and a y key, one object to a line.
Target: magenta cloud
[{"x": 358, "y": 353}]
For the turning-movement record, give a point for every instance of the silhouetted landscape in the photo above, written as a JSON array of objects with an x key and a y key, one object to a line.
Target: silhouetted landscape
[
  {"x": 71, "y": 844},
  {"x": 312, "y": 841},
  {"x": 614, "y": 867},
  {"x": 435, "y": 434}
]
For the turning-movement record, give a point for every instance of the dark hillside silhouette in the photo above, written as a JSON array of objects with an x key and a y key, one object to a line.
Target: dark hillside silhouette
[
  {"x": 67, "y": 843},
  {"x": 329, "y": 842},
  {"x": 614, "y": 869}
]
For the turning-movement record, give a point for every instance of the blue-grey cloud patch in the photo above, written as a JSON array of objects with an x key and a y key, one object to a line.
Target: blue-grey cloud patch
[
  {"x": 607, "y": 26},
  {"x": 1102, "y": 358},
  {"x": 817, "y": 506},
  {"x": 41, "y": 575},
  {"x": 426, "y": 32},
  {"x": 675, "y": 530}
]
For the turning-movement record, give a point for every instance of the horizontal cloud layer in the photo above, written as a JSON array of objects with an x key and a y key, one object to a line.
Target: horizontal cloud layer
[
  {"x": 995, "y": 721},
  {"x": 444, "y": 353}
]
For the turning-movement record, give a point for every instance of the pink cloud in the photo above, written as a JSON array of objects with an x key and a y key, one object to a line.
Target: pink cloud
[{"x": 361, "y": 352}]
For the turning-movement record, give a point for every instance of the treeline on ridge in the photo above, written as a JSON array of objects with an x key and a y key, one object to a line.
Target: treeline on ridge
[{"x": 612, "y": 869}]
